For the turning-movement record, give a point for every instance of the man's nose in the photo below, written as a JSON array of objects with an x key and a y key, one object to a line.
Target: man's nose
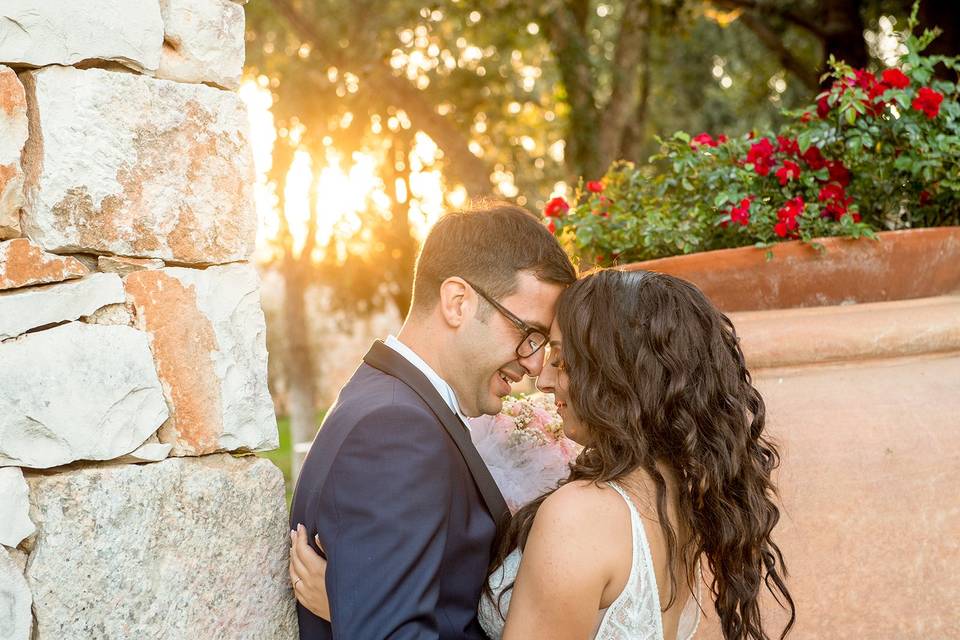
[{"x": 532, "y": 364}]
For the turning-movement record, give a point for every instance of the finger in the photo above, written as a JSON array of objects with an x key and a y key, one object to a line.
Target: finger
[
  {"x": 294, "y": 576},
  {"x": 307, "y": 555},
  {"x": 316, "y": 539},
  {"x": 299, "y": 566}
]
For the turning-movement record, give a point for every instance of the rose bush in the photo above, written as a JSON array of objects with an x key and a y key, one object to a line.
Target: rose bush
[{"x": 873, "y": 152}]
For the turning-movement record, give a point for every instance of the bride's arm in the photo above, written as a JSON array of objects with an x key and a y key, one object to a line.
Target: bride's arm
[{"x": 564, "y": 570}]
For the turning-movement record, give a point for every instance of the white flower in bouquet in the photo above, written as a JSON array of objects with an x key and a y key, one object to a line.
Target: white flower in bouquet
[{"x": 524, "y": 447}]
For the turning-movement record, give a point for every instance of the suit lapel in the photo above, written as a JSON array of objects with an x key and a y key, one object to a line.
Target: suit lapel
[{"x": 392, "y": 363}]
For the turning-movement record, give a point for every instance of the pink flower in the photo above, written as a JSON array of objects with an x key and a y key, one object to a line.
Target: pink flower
[
  {"x": 789, "y": 171},
  {"x": 556, "y": 208},
  {"x": 928, "y": 101},
  {"x": 594, "y": 186}
]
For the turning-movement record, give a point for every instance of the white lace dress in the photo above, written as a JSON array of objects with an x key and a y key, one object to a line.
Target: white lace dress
[{"x": 634, "y": 615}]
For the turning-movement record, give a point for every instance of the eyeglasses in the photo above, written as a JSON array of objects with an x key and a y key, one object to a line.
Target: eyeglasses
[{"x": 533, "y": 339}]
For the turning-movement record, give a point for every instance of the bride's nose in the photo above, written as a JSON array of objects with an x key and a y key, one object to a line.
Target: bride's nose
[{"x": 547, "y": 379}]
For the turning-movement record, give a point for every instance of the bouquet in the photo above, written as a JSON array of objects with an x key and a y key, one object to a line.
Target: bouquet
[{"x": 524, "y": 447}]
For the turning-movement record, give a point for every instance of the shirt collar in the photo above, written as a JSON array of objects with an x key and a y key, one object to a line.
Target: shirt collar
[{"x": 445, "y": 390}]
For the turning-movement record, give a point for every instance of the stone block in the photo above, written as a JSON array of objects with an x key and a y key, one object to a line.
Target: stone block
[
  {"x": 203, "y": 42},
  {"x": 24, "y": 263},
  {"x": 77, "y": 392},
  {"x": 15, "y": 618},
  {"x": 208, "y": 337},
  {"x": 15, "y": 522},
  {"x": 134, "y": 166},
  {"x": 36, "y": 34},
  {"x": 184, "y": 548},
  {"x": 13, "y": 135},
  {"x": 34, "y": 307}
]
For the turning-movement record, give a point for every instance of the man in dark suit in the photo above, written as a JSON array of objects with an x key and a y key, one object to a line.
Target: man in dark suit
[{"x": 393, "y": 488}]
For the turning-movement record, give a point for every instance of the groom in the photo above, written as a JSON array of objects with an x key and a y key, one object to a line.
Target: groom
[{"x": 399, "y": 498}]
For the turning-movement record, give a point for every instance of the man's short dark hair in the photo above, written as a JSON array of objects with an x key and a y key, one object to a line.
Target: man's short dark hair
[{"x": 488, "y": 245}]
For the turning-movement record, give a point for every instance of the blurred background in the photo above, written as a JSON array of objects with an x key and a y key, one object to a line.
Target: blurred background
[{"x": 372, "y": 118}]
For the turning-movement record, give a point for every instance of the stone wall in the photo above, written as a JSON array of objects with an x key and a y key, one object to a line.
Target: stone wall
[{"x": 133, "y": 365}]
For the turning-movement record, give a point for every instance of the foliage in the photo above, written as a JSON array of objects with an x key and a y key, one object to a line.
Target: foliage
[{"x": 874, "y": 152}]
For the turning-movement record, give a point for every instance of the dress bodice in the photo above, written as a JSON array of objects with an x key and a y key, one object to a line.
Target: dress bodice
[{"x": 634, "y": 615}]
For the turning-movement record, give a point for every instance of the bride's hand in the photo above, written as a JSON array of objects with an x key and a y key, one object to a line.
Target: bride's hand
[{"x": 308, "y": 572}]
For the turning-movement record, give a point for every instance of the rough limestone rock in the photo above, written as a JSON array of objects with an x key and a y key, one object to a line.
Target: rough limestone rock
[
  {"x": 33, "y": 307},
  {"x": 112, "y": 314},
  {"x": 38, "y": 33},
  {"x": 136, "y": 166},
  {"x": 15, "y": 522},
  {"x": 207, "y": 334},
  {"x": 124, "y": 266},
  {"x": 15, "y": 618},
  {"x": 13, "y": 135},
  {"x": 77, "y": 392},
  {"x": 184, "y": 548},
  {"x": 24, "y": 263},
  {"x": 203, "y": 41}
]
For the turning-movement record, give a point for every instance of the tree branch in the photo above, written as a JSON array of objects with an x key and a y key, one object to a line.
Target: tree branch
[
  {"x": 460, "y": 162},
  {"x": 628, "y": 57},
  {"x": 801, "y": 20},
  {"x": 774, "y": 42}
]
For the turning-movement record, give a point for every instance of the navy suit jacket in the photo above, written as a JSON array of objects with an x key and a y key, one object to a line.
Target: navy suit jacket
[{"x": 404, "y": 506}]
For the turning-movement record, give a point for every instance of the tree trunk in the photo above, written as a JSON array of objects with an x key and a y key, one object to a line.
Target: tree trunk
[{"x": 299, "y": 364}]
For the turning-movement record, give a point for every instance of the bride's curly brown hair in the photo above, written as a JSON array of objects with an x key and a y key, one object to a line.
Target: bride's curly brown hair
[{"x": 656, "y": 375}]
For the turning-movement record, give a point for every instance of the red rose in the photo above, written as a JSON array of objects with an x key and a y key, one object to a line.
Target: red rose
[
  {"x": 832, "y": 191},
  {"x": 786, "y": 145},
  {"x": 864, "y": 79},
  {"x": 924, "y": 197},
  {"x": 895, "y": 79},
  {"x": 704, "y": 139},
  {"x": 789, "y": 171},
  {"x": 928, "y": 101},
  {"x": 787, "y": 217},
  {"x": 823, "y": 106},
  {"x": 838, "y": 172},
  {"x": 741, "y": 213},
  {"x": 556, "y": 208},
  {"x": 814, "y": 158},
  {"x": 760, "y": 156},
  {"x": 594, "y": 186},
  {"x": 721, "y": 139},
  {"x": 806, "y": 117},
  {"x": 551, "y": 226}
]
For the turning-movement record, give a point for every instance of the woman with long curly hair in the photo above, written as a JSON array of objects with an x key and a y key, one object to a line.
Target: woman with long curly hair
[{"x": 676, "y": 471}]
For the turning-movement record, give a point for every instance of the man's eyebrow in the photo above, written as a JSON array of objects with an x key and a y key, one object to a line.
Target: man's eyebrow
[{"x": 539, "y": 327}]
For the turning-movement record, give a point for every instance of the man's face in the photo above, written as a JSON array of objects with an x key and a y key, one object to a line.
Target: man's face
[{"x": 489, "y": 362}]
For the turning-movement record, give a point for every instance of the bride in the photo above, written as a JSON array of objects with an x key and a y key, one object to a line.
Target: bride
[{"x": 648, "y": 376}]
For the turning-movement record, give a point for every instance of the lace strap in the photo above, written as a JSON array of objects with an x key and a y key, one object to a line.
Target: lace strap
[{"x": 642, "y": 558}]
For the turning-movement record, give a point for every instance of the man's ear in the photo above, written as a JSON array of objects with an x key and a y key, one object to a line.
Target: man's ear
[{"x": 457, "y": 301}]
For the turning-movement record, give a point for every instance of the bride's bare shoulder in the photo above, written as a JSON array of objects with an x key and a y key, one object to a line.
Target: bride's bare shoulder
[{"x": 589, "y": 505}]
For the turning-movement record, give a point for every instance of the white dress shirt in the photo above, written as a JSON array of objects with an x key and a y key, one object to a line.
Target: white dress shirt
[{"x": 445, "y": 390}]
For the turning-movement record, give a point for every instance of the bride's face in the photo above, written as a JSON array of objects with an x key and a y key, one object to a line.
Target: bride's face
[{"x": 553, "y": 379}]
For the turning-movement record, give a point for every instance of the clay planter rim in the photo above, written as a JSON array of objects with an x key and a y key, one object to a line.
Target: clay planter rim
[{"x": 899, "y": 265}]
